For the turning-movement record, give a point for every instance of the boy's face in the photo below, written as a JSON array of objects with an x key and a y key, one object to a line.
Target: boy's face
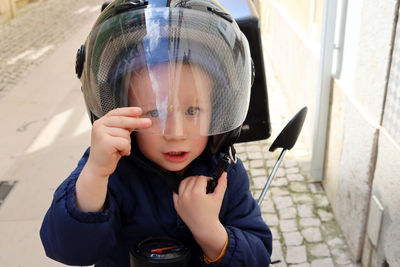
[{"x": 176, "y": 98}]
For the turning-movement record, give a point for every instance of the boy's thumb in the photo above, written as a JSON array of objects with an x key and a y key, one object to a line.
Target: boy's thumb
[
  {"x": 174, "y": 197},
  {"x": 222, "y": 183}
]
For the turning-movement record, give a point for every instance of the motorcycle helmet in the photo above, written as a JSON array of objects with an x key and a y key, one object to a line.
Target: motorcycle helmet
[{"x": 161, "y": 43}]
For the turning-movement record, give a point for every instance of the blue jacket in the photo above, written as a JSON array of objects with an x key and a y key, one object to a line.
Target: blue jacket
[{"x": 139, "y": 205}]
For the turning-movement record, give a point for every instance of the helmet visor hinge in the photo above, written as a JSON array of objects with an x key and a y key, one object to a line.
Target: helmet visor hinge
[{"x": 80, "y": 60}]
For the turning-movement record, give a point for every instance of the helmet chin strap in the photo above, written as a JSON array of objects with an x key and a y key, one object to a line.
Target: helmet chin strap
[
  {"x": 173, "y": 179},
  {"x": 228, "y": 158}
]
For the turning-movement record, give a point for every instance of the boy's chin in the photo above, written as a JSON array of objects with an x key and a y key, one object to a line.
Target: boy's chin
[{"x": 178, "y": 169}]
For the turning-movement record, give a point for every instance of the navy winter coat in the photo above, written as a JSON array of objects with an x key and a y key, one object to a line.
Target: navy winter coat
[{"x": 139, "y": 205}]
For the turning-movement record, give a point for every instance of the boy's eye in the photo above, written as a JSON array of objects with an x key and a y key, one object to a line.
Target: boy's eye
[
  {"x": 192, "y": 111},
  {"x": 153, "y": 113}
]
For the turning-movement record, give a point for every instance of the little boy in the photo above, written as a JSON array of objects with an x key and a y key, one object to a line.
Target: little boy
[{"x": 167, "y": 86}]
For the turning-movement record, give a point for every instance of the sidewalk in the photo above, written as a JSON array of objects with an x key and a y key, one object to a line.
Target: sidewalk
[
  {"x": 45, "y": 127},
  {"x": 26, "y": 40},
  {"x": 46, "y": 130}
]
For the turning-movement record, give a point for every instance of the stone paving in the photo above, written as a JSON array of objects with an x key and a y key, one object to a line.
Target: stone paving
[
  {"x": 298, "y": 212},
  {"x": 26, "y": 40},
  {"x": 304, "y": 229}
]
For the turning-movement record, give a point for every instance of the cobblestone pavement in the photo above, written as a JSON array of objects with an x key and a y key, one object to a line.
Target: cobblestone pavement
[
  {"x": 304, "y": 229},
  {"x": 26, "y": 40}
]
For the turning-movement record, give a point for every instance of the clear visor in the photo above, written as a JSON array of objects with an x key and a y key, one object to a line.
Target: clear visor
[
  {"x": 189, "y": 71},
  {"x": 175, "y": 96}
]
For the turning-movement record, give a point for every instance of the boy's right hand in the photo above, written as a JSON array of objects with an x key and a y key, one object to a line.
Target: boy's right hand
[{"x": 111, "y": 138}]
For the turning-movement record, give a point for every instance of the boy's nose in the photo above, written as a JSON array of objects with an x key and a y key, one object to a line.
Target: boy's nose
[{"x": 174, "y": 127}]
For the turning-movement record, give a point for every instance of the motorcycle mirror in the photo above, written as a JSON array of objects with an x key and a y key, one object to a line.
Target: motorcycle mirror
[
  {"x": 288, "y": 136},
  {"x": 285, "y": 140}
]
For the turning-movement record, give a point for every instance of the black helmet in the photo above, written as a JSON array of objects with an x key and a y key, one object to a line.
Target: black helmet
[{"x": 197, "y": 38}]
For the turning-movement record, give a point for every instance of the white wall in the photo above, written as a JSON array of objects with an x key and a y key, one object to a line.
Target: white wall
[
  {"x": 361, "y": 91},
  {"x": 295, "y": 60},
  {"x": 355, "y": 144},
  {"x": 382, "y": 244}
]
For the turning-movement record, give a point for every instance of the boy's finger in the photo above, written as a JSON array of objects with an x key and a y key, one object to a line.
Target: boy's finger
[
  {"x": 119, "y": 132},
  {"x": 122, "y": 145},
  {"x": 222, "y": 184},
  {"x": 143, "y": 123},
  {"x": 175, "y": 198},
  {"x": 125, "y": 111},
  {"x": 188, "y": 184},
  {"x": 182, "y": 186},
  {"x": 127, "y": 122},
  {"x": 201, "y": 183}
]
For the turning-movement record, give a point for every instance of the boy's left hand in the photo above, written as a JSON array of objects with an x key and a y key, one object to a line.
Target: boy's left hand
[
  {"x": 200, "y": 210},
  {"x": 194, "y": 205}
]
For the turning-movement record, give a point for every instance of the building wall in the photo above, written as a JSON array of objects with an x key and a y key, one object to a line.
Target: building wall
[
  {"x": 349, "y": 171},
  {"x": 293, "y": 52},
  {"x": 363, "y": 89},
  {"x": 305, "y": 14},
  {"x": 382, "y": 242},
  {"x": 10, "y": 8},
  {"x": 336, "y": 135},
  {"x": 7, "y": 9},
  {"x": 386, "y": 186},
  {"x": 363, "y": 148}
]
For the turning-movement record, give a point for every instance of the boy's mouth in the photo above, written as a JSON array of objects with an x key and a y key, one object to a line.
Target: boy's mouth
[{"x": 176, "y": 156}]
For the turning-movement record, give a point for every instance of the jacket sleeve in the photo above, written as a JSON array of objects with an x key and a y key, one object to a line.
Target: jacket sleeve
[
  {"x": 74, "y": 237},
  {"x": 250, "y": 239}
]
